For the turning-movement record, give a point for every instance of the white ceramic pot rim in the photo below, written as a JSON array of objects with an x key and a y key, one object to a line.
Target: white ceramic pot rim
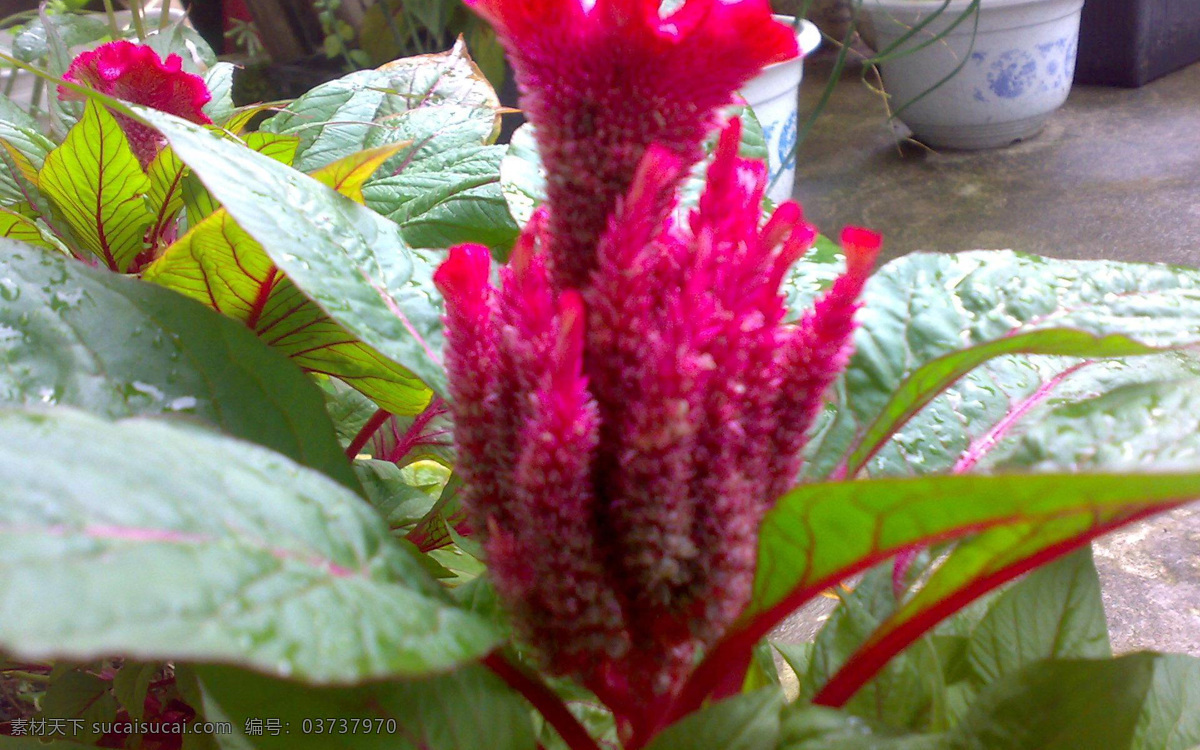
[{"x": 808, "y": 38}]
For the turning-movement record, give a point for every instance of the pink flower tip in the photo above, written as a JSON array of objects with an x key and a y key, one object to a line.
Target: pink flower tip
[
  {"x": 464, "y": 275},
  {"x": 571, "y": 314},
  {"x": 861, "y": 247}
]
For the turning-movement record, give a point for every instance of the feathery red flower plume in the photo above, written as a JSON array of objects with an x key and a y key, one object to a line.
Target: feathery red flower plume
[{"x": 631, "y": 398}]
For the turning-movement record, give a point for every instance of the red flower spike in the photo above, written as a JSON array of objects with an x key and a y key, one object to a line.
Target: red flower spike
[
  {"x": 643, "y": 424},
  {"x": 602, "y": 84},
  {"x": 818, "y": 351},
  {"x": 135, "y": 73}
]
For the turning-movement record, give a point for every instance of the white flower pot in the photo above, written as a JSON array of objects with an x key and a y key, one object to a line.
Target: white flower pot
[
  {"x": 774, "y": 96},
  {"x": 1020, "y": 62}
]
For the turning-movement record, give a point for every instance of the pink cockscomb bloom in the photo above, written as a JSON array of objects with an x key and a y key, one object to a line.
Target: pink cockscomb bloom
[
  {"x": 632, "y": 395},
  {"x": 602, "y": 83},
  {"x": 135, "y": 73}
]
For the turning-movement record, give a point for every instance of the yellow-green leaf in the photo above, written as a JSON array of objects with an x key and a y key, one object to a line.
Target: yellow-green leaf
[
  {"x": 17, "y": 227},
  {"x": 96, "y": 183},
  {"x": 200, "y": 204},
  {"x": 219, "y": 264},
  {"x": 166, "y": 174},
  {"x": 348, "y": 175}
]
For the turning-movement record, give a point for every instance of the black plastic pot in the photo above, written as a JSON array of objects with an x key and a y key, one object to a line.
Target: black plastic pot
[{"x": 1132, "y": 42}]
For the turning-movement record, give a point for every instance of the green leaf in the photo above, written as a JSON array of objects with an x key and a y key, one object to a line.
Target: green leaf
[
  {"x": 808, "y": 727},
  {"x": 522, "y": 179},
  {"x": 94, "y": 179},
  {"x": 469, "y": 709},
  {"x": 165, "y": 197},
  {"x": 358, "y": 111},
  {"x": 869, "y": 521},
  {"x": 79, "y": 695},
  {"x": 928, "y": 306},
  {"x": 240, "y": 556},
  {"x": 281, "y": 148},
  {"x": 400, "y": 503},
  {"x": 131, "y": 684},
  {"x": 434, "y": 531},
  {"x": 1109, "y": 415},
  {"x": 1055, "y": 612},
  {"x": 220, "y": 265},
  {"x": 28, "y": 141},
  {"x": 20, "y": 170},
  {"x": 1136, "y": 702},
  {"x": 15, "y": 116},
  {"x": 926, "y": 382},
  {"x": 744, "y": 722},
  {"x": 346, "y": 258},
  {"x": 14, "y": 226},
  {"x": 32, "y": 45},
  {"x": 819, "y": 533},
  {"x": 1125, "y": 418},
  {"x": 348, "y": 409},
  {"x": 908, "y": 692},
  {"x": 219, "y": 80},
  {"x": 443, "y": 196},
  {"x": 83, "y": 337},
  {"x": 181, "y": 39},
  {"x": 201, "y": 204}
]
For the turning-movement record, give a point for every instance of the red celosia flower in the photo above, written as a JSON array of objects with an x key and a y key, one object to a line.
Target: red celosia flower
[
  {"x": 618, "y": 474},
  {"x": 631, "y": 398},
  {"x": 135, "y": 73},
  {"x": 603, "y": 83}
]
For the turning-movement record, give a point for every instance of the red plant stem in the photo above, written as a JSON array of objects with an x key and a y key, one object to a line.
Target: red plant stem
[
  {"x": 370, "y": 428},
  {"x": 866, "y": 663},
  {"x": 732, "y": 652},
  {"x": 549, "y": 705},
  {"x": 415, "y": 434}
]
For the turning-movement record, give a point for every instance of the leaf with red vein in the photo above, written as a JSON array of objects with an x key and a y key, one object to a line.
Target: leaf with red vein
[
  {"x": 166, "y": 191},
  {"x": 200, "y": 203},
  {"x": 219, "y": 264},
  {"x": 165, "y": 542},
  {"x": 976, "y": 567},
  {"x": 926, "y": 308},
  {"x": 1148, "y": 415},
  {"x": 17, "y": 227},
  {"x": 928, "y": 381},
  {"x": 96, "y": 183},
  {"x": 349, "y": 260},
  {"x": 819, "y": 534}
]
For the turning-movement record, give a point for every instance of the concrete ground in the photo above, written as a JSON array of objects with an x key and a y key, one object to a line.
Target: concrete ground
[{"x": 1115, "y": 174}]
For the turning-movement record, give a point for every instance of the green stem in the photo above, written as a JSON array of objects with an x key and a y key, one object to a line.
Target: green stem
[
  {"x": 135, "y": 7},
  {"x": 112, "y": 19},
  {"x": 164, "y": 15}
]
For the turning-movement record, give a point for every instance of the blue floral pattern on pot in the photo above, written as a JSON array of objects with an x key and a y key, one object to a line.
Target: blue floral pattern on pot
[
  {"x": 783, "y": 149},
  {"x": 1014, "y": 73}
]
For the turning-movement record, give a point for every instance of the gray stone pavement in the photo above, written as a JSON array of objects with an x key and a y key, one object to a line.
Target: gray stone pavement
[{"x": 1115, "y": 174}]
